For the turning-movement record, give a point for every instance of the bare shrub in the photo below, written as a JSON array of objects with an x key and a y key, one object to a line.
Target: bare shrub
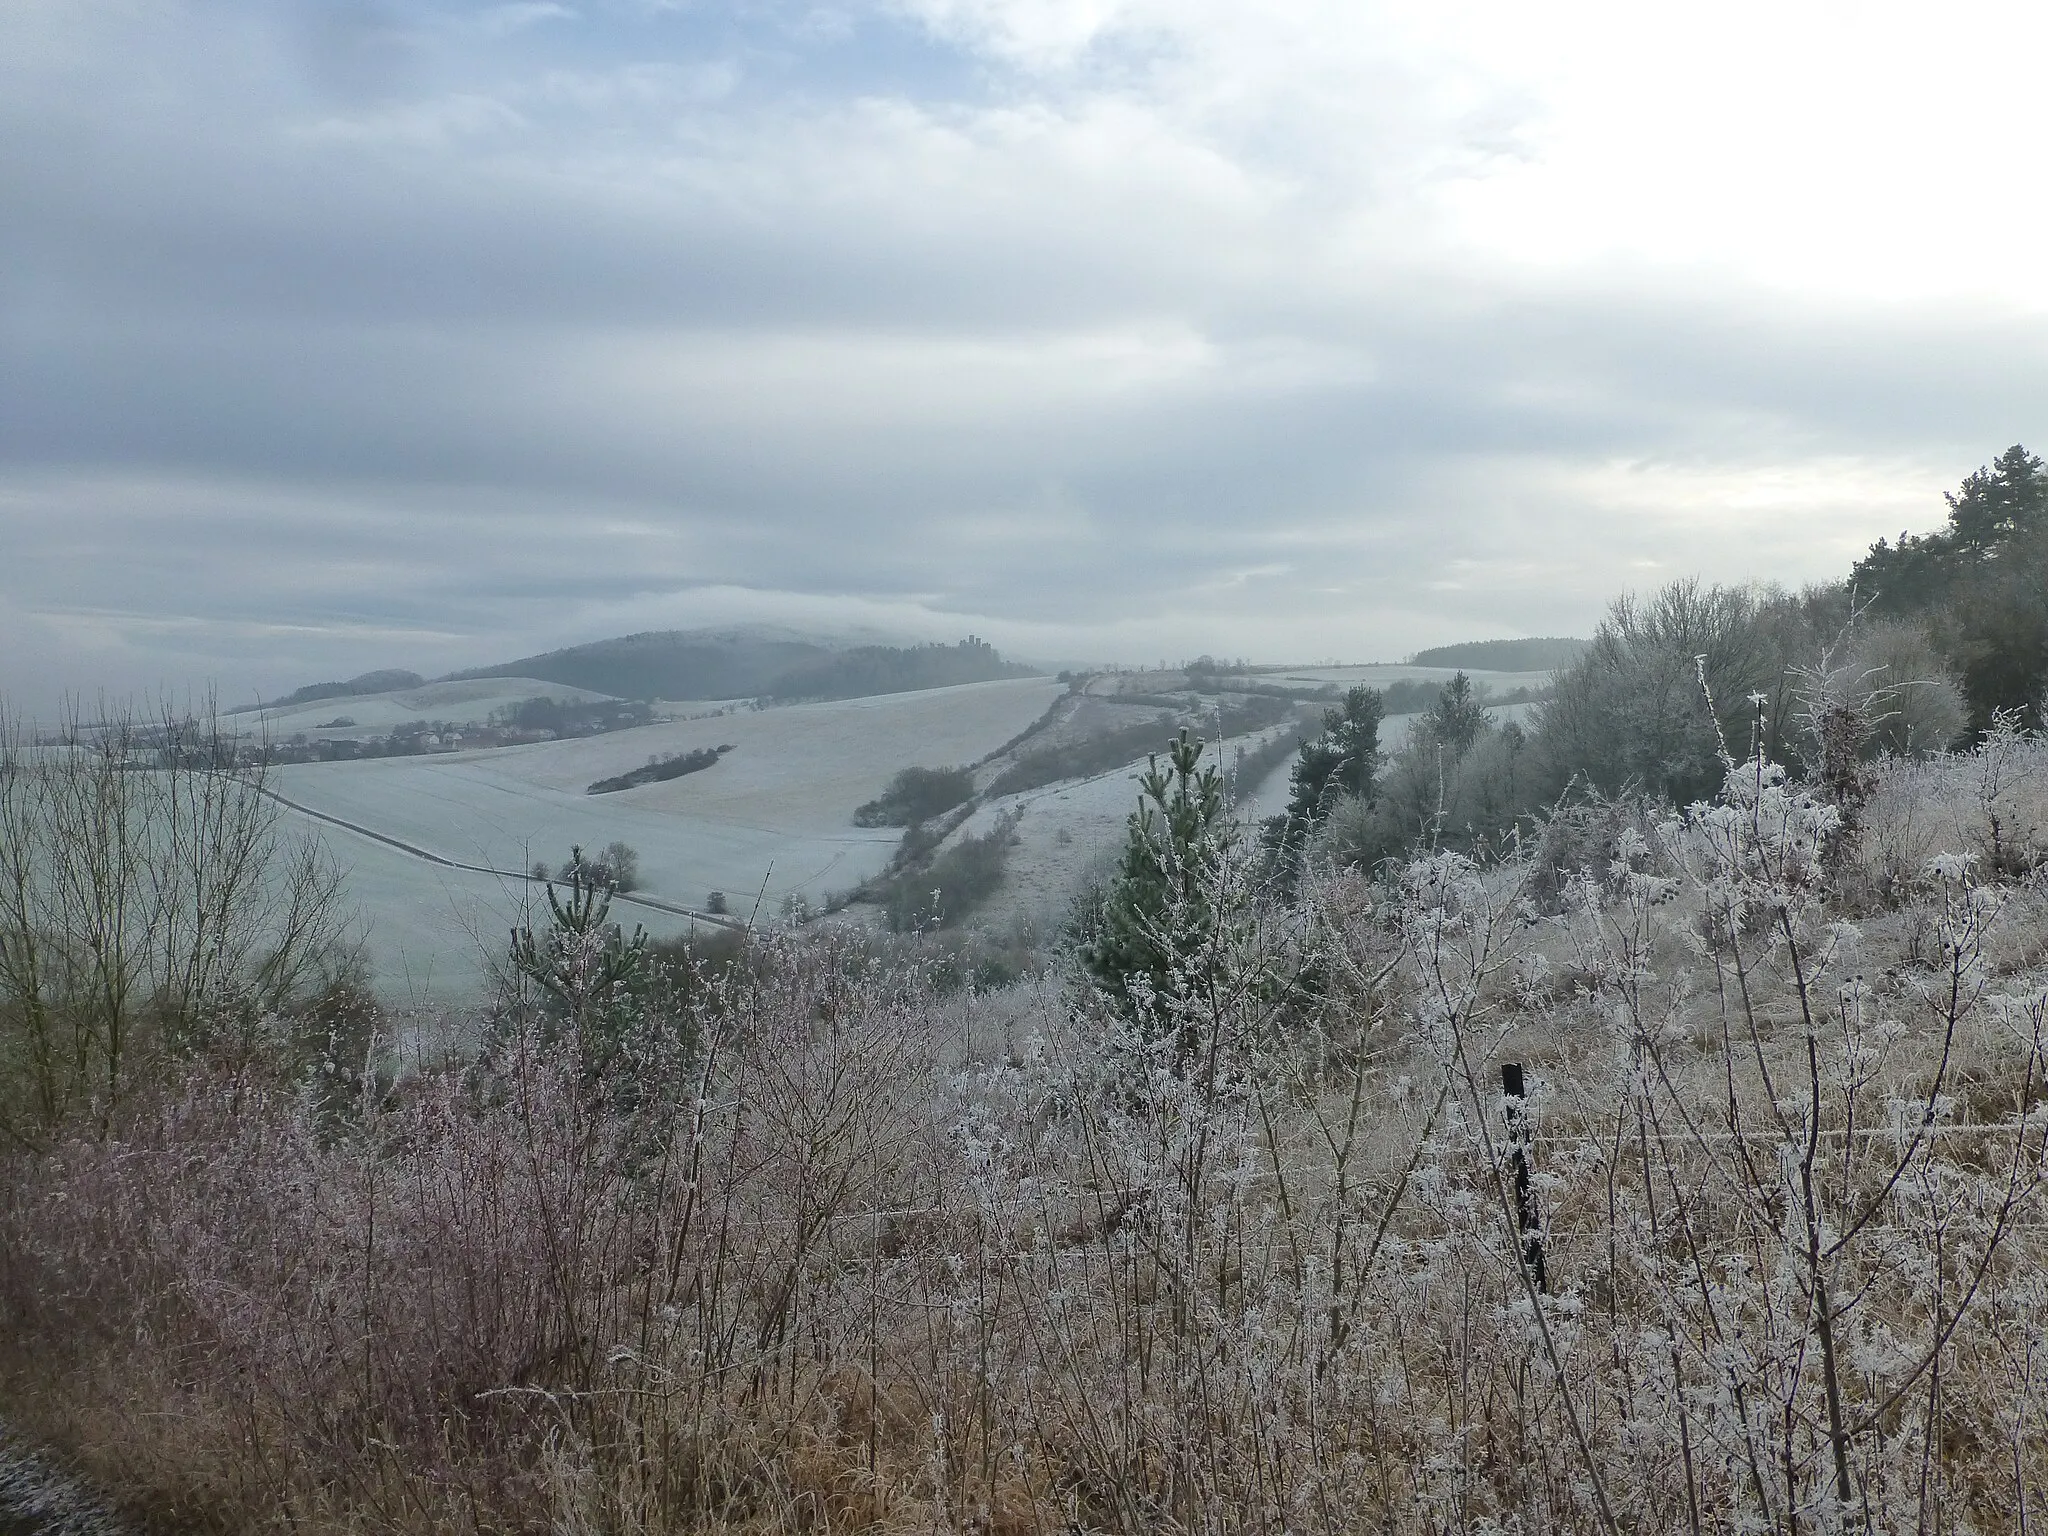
[
  {"x": 150, "y": 899},
  {"x": 1927, "y": 712}
]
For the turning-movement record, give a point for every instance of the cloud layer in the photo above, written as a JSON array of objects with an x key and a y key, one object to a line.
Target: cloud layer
[{"x": 336, "y": 334}]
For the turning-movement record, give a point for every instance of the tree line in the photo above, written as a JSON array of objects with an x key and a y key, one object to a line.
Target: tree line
[{"x": 1923, "y": 647}]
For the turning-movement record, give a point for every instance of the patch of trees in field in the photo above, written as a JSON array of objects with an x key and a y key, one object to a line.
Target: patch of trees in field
[
  {"x": 659, "y": 770},
  {"x": 614, "y": 867},
  {"x": 1534, "y": 655}
]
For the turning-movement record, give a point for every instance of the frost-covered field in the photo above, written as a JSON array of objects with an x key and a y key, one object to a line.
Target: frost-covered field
[
  {"x": 435, "y": 935},
  {"x": 772, "y": 819},
  {"x": 777, "y": 809}
]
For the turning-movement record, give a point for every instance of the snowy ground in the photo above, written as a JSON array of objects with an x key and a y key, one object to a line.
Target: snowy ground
[
  {"x": 776, "y": 811},
  {"x": 773, "y": 818}
]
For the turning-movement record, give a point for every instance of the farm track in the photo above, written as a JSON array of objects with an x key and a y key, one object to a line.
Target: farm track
[{"x": 652, "y": 903}]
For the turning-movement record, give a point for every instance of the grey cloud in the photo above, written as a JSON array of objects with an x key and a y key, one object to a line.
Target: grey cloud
[{"x": 299, "y": 357}]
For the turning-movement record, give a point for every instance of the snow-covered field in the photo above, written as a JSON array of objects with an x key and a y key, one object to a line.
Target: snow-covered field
[
  {"x": 773, "y": 818},
  {"x": 435, "y": 935},
  {"x": 465, "y": 703},
  {"x": 775, "y": 812}
]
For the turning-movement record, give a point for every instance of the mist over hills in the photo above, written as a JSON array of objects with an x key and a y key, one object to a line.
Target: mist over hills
[
  {"x": 668, "y": 664},
  {"x": 748, "y": 662},
  {"x": 700, "y": 664}
]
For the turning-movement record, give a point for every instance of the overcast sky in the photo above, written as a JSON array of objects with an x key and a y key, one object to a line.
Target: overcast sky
[{"x": 338, "y": 334}]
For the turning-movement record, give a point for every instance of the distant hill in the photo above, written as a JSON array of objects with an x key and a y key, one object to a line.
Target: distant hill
[
  {"x": 666, "y": 664},
  {"x": 388, "y": 681},
  {"x": 731, "y": 664},
  {"x": 873, "y": 669},
  {"x": 1545, "y": 655}
]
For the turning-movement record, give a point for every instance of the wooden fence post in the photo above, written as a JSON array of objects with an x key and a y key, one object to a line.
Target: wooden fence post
[{"x": 1526, "y": 1223}]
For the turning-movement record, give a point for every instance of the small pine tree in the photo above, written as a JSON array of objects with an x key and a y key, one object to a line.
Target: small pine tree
[
  {"x": 1160, "y": 915},
  {"x": 593, "y": 981},
  {"x": 1457, "y": 719},
  {"x": 1343, "y": 760}
]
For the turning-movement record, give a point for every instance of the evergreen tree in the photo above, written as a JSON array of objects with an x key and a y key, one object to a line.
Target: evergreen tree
[
  {"x": 2000, "y": 637},
  {"x": 1457, "y": 719},
  {"x": 593, "y": 981},
  {"x": 1997, "y": 507},
  {"x": 1343, "y": 760},
  {"x": 1160, "y": 915}
]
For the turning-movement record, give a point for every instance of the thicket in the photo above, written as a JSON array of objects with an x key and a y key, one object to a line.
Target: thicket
[
  {"x": 1979, "y": 586},
  {"x": 1094, "y": 754},
  {"x": 945, "y": 891},
  {"x": 1925, "y": 646},
  {"x": 1648, "y": 711},
  {"x": 151, "y": 906},
  {"x": 917, "y": 794}
]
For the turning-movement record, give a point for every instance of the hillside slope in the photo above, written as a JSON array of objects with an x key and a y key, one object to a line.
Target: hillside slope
[{"x": 744, "y": 663}]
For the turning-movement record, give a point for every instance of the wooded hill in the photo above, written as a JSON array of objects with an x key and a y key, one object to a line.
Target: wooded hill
[{"x": 707, "y": 664}]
